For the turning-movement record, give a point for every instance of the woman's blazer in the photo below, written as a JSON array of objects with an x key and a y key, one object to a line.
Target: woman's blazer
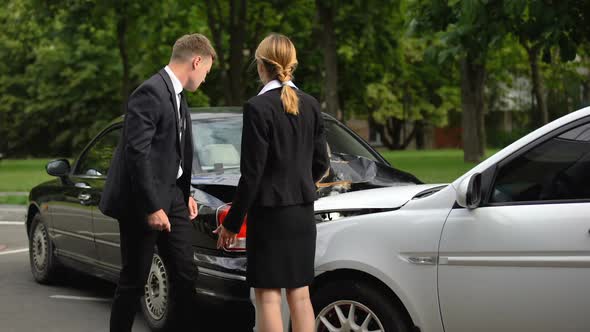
[{"x": 282, "y": 155}]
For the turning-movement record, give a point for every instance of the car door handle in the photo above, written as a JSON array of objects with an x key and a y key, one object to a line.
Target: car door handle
[
  {"x": 82, "y": 185},
  {"x": 84, "y": 197}
]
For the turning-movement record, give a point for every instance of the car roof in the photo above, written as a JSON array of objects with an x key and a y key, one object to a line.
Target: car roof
[
  {"x": 225, "y": 111},
  {"x": 213, "y": 112},
  {"x": 526, "y": 140}
]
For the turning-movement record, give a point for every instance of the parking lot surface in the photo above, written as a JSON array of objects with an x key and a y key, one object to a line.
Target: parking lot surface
[{"x": 76, "y": 302}]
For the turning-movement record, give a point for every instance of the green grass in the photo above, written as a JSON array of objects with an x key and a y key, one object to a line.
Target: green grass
[
  {"x": 14, "y": 200},
  {"x": 20, "y": 175},
  {"x": 431, "y": 166}
]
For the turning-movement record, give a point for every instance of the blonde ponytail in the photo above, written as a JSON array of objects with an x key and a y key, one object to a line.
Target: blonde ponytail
[
  {"x": 279, "y": 57},
  {"x": 290, "y": 100}
]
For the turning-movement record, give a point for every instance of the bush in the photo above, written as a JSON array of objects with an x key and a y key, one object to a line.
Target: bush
[{"x": 499, "y": 139}]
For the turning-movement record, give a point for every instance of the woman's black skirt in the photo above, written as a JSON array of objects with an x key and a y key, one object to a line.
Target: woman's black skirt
[{"x": 281, "y": 246}]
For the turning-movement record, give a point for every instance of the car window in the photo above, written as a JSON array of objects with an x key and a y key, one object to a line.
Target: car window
[
  {"x": 555, "y": 170},
  {"x": 97, "y": 159},
  {"x": 341, "y": 141},
  {"x": 217, "y": 143}
]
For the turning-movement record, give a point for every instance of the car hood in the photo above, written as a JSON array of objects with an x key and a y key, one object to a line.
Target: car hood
[
  {"x": 347, "y": 173},
  {"x": 222, "y": 179},
  {"x": 381, "y": 198}
]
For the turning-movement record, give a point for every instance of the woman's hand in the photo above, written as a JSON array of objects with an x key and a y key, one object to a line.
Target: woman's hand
[
  {"x": 226, "y": 238},
  {"x": 193, "y": 209}
]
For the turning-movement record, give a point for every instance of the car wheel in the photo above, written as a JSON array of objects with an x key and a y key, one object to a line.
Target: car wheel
[
  {"x": 347, "y": 305},
  {"x": 156, "y": 303},
  {"x": 44, "y": 266}
]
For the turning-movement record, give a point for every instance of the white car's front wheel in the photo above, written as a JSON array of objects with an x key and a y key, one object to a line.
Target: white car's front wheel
[{"x": 347, "y": 305}]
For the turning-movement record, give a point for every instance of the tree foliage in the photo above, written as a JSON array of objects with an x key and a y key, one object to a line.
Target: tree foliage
[
  {"x": 68, "y": 66},
  {"x": 472, "y": 29}
]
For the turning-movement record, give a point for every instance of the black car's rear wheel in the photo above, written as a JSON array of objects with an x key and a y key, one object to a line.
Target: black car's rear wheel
[
  {"x": 44, "y": 266},
  {"x": 156, "y": 304}
]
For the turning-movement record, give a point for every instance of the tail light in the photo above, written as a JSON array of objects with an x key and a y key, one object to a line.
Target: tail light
[{"x": 240, "y": 244}]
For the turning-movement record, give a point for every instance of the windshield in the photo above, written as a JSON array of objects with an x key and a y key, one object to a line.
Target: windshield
[
  {"x": 217, "y": 143},
  {"x": 342, "y": 142}
]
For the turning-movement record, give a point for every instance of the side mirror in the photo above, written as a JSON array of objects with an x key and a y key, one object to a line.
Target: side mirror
[
  {"x": 469, "y": 191},
  {"x": 59, "y": 168}
]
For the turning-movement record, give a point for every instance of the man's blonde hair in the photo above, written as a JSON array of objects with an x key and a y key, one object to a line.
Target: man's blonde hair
[{"x": 191, "y": 45}]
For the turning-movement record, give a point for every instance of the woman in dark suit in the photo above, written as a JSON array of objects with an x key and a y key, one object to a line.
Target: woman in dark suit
[{"x": 283, "y": 155}]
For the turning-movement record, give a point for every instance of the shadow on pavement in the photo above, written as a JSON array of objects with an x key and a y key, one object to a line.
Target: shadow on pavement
[{"x": 218, "y": 316}]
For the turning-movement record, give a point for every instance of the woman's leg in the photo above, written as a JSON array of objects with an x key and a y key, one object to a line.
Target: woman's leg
[
  {"x": 268, "y": 309},
  {"x": 302, "y": 316}
]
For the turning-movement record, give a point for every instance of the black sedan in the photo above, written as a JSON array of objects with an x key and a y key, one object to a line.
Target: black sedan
[{"x": 66, "y": 228}]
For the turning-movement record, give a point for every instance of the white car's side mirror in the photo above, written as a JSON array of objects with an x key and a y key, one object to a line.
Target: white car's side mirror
[{"x": 469, "y": 191}]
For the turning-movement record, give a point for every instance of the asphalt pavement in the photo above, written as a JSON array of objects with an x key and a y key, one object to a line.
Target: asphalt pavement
[{"x": 76, "y": 302}]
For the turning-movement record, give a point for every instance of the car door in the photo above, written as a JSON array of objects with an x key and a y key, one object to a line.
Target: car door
[
  {"x": 73, "y": 215},
  {"x": 106, "y": 229},
  {"x": 521, "y": 261}
]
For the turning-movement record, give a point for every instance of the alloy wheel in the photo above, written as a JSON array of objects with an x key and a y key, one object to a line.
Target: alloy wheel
[{"x": 347, "y": 316}]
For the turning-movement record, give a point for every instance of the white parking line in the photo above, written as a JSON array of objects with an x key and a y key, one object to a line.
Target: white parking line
[
  {"x": 80, "y": 298},
  {"x": 14, "y": 251},
  {"x": 11, "y": 222},
  {"x": 12, "y": 209}
]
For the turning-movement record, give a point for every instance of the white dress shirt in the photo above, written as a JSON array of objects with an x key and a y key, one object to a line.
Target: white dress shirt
[
  {"x": 275, "y": 84},
  {"x": 177, "y": 90}
]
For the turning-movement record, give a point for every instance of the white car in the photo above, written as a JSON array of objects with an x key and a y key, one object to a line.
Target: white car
[{"x": 505, "y": 247}]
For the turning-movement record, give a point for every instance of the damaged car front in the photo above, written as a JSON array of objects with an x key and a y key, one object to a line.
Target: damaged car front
[{"x": 354, "y": 167}]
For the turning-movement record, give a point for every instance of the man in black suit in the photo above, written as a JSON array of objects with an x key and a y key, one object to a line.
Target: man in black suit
[{"x": 148, "y": 185}]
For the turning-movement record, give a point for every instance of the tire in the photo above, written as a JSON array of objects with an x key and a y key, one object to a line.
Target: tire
[
  {"x": 44, "y": 264},
  {"x": 367, "y": 301},
  {"x": 156, "y": 304}
]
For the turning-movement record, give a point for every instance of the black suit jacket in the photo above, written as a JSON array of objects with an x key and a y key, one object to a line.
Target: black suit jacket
[
  {"x": 145, "y": 164},
  {"x": 282, "y": 157}
]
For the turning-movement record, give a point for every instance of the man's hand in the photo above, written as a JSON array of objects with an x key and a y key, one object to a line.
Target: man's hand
[
  {"x": 226, "y": 238},
  {"x": 193, "y": 209},
  {"x": 158, "y": 221}
]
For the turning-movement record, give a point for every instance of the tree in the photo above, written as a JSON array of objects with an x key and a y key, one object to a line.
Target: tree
[
  {"x": 67, "y": 66},
  {"x": 17, "y": 39},
  {"x": 567, "y": 82},
  {"x": 469, "y": 29},
  {"x": 67, "y": 75},
  {"x": 540, "y": 25},
  {"x": 368, "y": 35},
  {"x": 229, "y": 18},
  {"x": 122, "y": 15},
  {"x": 423, "y": 101},
  {"x": 326, "y": 13},
  {"x": 236, "y": 28}
]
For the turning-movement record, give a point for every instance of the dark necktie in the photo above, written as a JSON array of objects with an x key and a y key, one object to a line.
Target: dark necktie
[
  {"x": 181, "y": 119},
  {"x": 180, "y": 115},
  {"x": 182, "y": 127}
]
